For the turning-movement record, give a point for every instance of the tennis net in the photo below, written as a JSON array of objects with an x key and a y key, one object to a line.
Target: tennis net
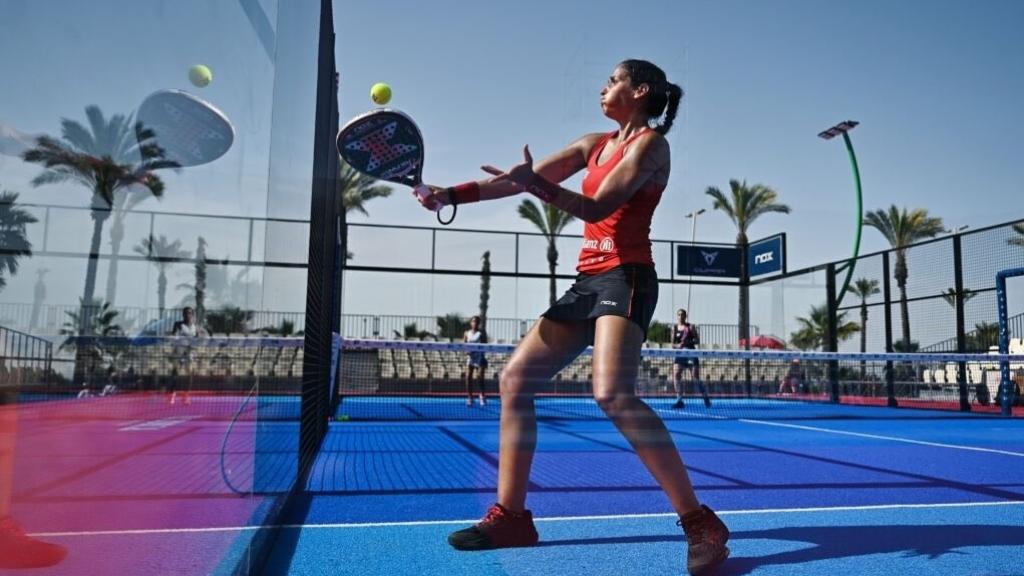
[{"x": 412, "y": 380}]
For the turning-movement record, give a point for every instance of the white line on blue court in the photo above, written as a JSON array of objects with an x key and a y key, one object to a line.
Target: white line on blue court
[
  {"x": 551, "y": 519},
  {"x": 890, "y": 438}
]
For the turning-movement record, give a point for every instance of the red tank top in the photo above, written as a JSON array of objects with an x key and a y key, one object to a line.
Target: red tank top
[{"x": 624, "y": 237}]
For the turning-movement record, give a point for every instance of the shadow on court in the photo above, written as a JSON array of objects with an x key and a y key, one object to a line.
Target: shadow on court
[{"x": 842, "y": 542}]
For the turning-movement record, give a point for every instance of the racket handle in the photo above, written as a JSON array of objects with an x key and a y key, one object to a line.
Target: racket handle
[{"x": 423, "y": 191}]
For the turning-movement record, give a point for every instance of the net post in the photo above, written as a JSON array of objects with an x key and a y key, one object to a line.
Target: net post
[
  {"x": 890, "y": 377},
  {"x": 832, "y": 336},
  {"x": 745, "y": 315},
  {"x": 961, "y": 335},
  {"x": 1006, "y": 385}
]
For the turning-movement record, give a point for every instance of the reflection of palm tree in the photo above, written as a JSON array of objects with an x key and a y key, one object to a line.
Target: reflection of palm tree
[
  {"x": 746, "y": 204},
  {"x": 1017, "y": 240},
  {"x": 38, "y": 296},
  {"x": 14, "y": 221},
  {"x": 813, "y": 331},
  {"x": 902, "y": 228},
  {"x": 950, "y": 296},
  {"x": 162, "y": 254},
  {"x": 107, "y": 157},
  {"x": 356, "y": 190},
  {"x": 124, "y": 201},
  {"x": 550, "y": 222}
]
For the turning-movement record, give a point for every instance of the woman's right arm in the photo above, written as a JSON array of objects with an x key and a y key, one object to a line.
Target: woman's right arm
[{"x": 557, "y": 167}]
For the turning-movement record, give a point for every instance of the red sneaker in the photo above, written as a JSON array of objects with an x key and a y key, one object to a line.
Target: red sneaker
[
  {"x": 19, "y": 551},
  {"x": 706, "y": 536},
  {"x": 500, "y": 528}
]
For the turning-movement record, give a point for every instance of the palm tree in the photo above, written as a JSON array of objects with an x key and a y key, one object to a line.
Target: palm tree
[
  {"x": 14, "y": 221},
  {"x": 550, "y": 222},
  {"x": 950, "y": 296},
  {"x": 746, "y": 204},
  {"x": 451, "y": 326},
  {"x": 902, "y": 228},
  {"x": 356, "y": 190},
  {"x": 864, "y": 288},
  {"x": 162, "y": 254},
  {"x": 985, "y": 334},
  {"x": 228, "y": 320},
  {"x": 108, "y": 157},
  {"x": 1017, "y": 240},
  {"x": 813, "y": 331},
  {"x": 284, "y": 329}
]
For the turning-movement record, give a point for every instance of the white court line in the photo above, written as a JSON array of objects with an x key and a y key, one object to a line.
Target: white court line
[
  {"x": 551, "y": 519},
  {"x": 891, "y": 438}
]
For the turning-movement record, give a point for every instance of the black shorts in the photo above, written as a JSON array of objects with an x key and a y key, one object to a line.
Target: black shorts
[
  {"x": 683, "y": 362},
  {"x": 630, "y": 291}
]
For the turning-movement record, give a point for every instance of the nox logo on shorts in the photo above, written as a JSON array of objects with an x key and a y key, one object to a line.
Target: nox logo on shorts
[
  {"x": 381, "y": 148},
  {"x": 609, "y": 303}
]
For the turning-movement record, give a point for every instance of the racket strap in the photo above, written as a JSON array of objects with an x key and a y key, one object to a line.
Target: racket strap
[{"x": 466, "y": 193}]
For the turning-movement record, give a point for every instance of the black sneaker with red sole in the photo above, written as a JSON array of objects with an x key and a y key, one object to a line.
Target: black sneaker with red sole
[{"x": 500, "y": 528}]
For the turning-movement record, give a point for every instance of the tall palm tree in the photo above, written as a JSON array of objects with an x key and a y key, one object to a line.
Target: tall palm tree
[
  {"x": 864, "y": 288},
  {"x": 14, "y": 221},
  {"x": 551, "y": 221},
  {"x": 1017, "y": 240},
  {"x": 107, "y": 157},
  {"x": 356, "y": 190},
  {"x": 744, "y": 205},
  {"x": 162, "y": 254},
  {"x": 813, "y": 331},
  {"x": 903, "y": 228}
]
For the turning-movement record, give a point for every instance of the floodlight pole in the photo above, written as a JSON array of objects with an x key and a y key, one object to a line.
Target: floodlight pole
[
  {"x": 693, "y": 239},
  {"x": 844, "y": 129}
]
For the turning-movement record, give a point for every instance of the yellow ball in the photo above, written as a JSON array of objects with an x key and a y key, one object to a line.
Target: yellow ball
[
  {"x": 380, "y": 93},
  {"x": 200, "y": 75}
]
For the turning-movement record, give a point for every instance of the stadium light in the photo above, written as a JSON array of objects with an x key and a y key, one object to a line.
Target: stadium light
[{"x": 843, "y": 129}]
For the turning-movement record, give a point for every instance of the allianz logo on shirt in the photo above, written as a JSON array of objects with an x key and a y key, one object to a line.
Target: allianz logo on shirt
[{"x": 606, "y": 244}]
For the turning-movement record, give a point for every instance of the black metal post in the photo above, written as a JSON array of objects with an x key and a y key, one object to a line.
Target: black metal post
[
  {"x": 961, "y": 334},
  {"x": 890, "y": 377},
  {"x": 832, "y": 335}
]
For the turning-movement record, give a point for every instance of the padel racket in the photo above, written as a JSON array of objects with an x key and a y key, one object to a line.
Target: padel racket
[
  {"x": 386, "y": 145},
  {"x": 190, "y": 130}
]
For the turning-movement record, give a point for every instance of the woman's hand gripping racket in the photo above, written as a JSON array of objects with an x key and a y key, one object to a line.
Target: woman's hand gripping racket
[{"x": 386, "y": 145}]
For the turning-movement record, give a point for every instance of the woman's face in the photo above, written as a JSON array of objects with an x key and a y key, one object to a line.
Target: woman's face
[
  {"x": 681, "y": 315},
  {"x": 618, "y": 95},
  {"x": 473, "y": 323}
]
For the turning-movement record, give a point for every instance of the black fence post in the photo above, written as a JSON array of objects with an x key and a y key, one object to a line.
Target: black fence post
[
  {"x": 745, "y": 316},
  {"x": 890, "y": 377},
  {"x": 832, "y": 334},
  {"x": 961, "y": 334}
]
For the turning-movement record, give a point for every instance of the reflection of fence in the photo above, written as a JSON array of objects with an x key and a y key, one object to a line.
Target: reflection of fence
[{"x": 24, "y": 358}]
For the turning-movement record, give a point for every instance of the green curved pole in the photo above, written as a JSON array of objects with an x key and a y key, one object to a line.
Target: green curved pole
[{"x": 860, "y": 220}]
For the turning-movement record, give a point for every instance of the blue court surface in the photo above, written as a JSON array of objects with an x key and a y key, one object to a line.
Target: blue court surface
[{"x": 863, "y": 491}]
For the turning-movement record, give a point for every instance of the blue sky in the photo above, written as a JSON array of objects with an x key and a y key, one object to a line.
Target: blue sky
[{"x": 936, "y": 86}]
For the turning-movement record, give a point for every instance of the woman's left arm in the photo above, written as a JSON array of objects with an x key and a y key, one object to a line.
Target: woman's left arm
[{"x": 646, "y": 158}]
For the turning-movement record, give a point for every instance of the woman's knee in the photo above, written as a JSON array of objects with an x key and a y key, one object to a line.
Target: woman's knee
[{"x": 615, "y": 404}]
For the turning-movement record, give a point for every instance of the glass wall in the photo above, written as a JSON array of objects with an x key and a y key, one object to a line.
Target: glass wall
[{"x": 153, "y": 156}]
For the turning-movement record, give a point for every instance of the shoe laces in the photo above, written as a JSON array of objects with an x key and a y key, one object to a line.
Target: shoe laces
[
  {"x": 696, "y": 526},
  {"x": 494, "y": 515}
]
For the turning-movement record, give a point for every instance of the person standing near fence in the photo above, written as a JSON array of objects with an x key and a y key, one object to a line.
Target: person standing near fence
[
  {"x": 186, "y": 329},
  {"x": 686, "y": 337},
  {"x": 475, "y": 361}
]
